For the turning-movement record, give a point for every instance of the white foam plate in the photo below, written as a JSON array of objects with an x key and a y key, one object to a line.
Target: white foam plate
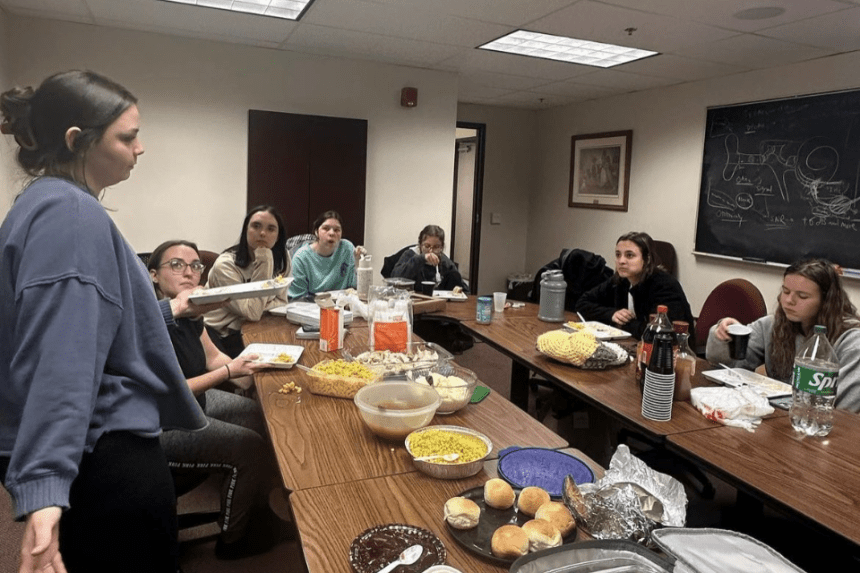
[
  {"x": 451, "y": 295},
  {"x": 269, "y": 353},
  {"x": 598, "y": 329},
  {"x": 736, "y": 377},
  {"x": 256, "y": 289}
]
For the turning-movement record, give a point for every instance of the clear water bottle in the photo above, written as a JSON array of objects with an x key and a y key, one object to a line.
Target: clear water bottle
[{"x": 813, "y": 385}]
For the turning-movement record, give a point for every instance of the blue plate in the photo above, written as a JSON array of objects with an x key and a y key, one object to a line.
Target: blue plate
[{"x": 543, "y": 468}]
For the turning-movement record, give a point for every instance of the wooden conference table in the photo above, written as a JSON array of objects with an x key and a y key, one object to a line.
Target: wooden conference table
[{"x": 815, "y": 479}]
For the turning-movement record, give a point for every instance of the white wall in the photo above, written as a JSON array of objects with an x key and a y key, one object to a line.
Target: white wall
[
  {"x": 509, "y": 179},
  {"x": 194, "y": 100},
  {"x": 668, "y": 139},
  {"x": 10, "y": 177}
]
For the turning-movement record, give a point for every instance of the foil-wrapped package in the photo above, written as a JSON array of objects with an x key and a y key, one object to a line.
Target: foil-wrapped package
[{"x": 628, "y": 502}]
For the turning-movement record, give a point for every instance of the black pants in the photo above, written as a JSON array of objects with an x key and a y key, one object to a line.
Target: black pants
[{"x": 122, "y": 514}]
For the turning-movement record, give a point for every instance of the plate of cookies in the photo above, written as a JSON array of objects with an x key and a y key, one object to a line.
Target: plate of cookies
[{"x": 501, "y": 523}]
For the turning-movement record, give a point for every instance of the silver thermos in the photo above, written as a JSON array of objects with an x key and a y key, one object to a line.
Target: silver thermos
[{"x": 552, "y": 291}]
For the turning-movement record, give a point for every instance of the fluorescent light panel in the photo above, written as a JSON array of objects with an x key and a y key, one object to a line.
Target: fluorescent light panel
[
  {"x": 562, "y": 49},
  {"x": 286, "y": 9}
]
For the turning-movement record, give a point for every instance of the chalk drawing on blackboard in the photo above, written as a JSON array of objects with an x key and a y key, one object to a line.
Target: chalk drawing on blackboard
[{"x": 780, "y": 170}]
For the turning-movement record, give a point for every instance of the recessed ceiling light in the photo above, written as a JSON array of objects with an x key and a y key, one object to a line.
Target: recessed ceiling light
[
  {"x": 286, "y": 9},
  {"x": 563, "y": 49},
  {"x": 760, "y": 13}
]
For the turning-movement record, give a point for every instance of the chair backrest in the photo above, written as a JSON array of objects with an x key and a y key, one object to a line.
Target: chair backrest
[
  {"x": 296, "y": 242},
  {"x": 737, "y": 298},
  {"x": 208, "y": 259},
  {"x": 390, "y": 261},
  {"x": 665, "y": 253}
]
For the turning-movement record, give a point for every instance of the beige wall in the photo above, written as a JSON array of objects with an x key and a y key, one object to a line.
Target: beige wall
[
  {"x": 668, "y": 138},
  {"x": 194, "y": 100},
  {"x": 509, "y": 179}
]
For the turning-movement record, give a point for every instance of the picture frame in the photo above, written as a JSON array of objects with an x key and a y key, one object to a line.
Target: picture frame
[{"x": 600, "y": 170}]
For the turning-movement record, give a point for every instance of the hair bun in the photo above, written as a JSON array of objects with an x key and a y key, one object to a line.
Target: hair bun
[{"x": 15, "y": 107}]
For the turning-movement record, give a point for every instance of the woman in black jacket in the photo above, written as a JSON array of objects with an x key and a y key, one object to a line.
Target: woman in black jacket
[
  {"x": 427, "y": 262},
  {"x": 632, "y": 294}
]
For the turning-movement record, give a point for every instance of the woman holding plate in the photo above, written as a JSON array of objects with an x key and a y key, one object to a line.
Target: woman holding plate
[
  {"x": 233, "y": 441},
  {"x": 260, "y": 255}
]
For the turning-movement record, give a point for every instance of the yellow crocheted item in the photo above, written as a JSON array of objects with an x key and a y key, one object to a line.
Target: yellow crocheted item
[{"x": 572, "y": 347}]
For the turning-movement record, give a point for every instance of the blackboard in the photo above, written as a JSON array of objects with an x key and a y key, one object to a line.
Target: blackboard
[{"x": 780, "y": 180}]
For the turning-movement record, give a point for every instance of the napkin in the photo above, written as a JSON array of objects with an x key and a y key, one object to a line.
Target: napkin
[{"x": 742, "y": 407}]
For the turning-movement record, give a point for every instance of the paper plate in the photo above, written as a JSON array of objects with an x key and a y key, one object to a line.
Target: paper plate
[{"x": 543, "y": 468}]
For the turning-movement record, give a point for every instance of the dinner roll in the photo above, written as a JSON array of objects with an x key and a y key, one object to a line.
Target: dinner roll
[
  {"x": 509, "y": 542},
  {"x": 462, "y": 513},
  {"x": 557, "y": 514},
  {"x": 530, "y": 499},
  {"x": 499, "y": 494},
  {"x": 542, "y": 534}
]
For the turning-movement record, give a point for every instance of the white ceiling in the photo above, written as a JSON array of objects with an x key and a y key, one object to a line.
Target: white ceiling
[{"x": 697, "y": 39}]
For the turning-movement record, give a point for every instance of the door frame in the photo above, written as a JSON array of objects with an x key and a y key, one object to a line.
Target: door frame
[{"x": 477, "y": 200}]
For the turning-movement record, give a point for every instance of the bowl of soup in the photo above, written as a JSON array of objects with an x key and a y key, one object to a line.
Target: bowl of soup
[{"x": 394, "y": 409}]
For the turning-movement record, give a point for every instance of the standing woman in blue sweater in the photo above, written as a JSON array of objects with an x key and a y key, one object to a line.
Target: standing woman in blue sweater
[{"x": 88, "y": 376}]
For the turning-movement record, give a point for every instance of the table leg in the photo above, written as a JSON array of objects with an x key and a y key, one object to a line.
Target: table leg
[{"x": 520, "y": 385}]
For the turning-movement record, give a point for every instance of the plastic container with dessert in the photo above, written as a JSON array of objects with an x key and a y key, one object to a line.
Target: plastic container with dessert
[
  {"x": 454, "y": 384},
  {"x": 449, "y": 440},
  {"x": 338, "y": 379},
  {"x": 394, "y": 409}
]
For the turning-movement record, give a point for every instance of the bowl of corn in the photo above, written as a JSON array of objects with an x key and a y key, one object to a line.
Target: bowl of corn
[
  {"x": 472, "y": 448},
  {"x": 394, "y": 409}
]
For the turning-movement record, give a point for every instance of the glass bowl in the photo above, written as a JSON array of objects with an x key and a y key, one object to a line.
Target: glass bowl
[
  {"x": 455, "y": 389},
  {"x": 394, "y": 409}
]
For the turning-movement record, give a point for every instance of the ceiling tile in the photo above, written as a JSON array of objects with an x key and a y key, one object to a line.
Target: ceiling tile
[
  {"x": 533, "y": 100},
  {"x": 73, "y": 10},
  {"x": 838, "y": 31},
  {"x": 752, "y": 51},
  {"x": 422, "y": 22},
  {"x": 576, "y": 89},
  {"x": 331, "y": 41},
  {"x": 589, "y": 20},
  {"x": 614, "y": 78},
  {"x": 497, "y": 62},
  {"x": 504, "y": 81},
  {"x": 720, "y": 13},
  {"x": 685, "y": 69},
  {"x": 508, "y": 12}
]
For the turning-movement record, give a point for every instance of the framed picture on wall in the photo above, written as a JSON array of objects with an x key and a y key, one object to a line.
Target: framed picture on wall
[{"x": 600, "y": 170}]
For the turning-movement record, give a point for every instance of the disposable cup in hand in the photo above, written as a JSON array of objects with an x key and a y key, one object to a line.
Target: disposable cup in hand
[
  {"x": 740, "y": 339},
  {"x": 499, "y": 299}
]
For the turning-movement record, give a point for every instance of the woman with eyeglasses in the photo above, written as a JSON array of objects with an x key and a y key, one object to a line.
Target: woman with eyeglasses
[
  {"x": 88, "y": 377},
  {"x": 260, "y": 255},
  {"x": 233, "y": 441},
  {"x": 326, "y": 264},
  {"x": 426, "y": 261}
]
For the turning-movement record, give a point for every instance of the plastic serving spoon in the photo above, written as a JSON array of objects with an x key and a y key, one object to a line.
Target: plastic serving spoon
[
  {"x": 445, "y": 457},
  {"x": 409, "y": 556}
]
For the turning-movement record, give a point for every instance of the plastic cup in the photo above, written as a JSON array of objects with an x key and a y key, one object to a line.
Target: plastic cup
[
  {"x": 740, "y": 339},
  {"x": 499, "y": 299}
]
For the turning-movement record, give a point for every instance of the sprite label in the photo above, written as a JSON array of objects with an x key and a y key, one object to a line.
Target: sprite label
[{"x": 814, "y": 381}]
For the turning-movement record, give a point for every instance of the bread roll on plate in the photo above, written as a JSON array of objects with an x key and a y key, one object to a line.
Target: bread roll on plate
[
  {"x": 530, "y": 499},
  {"x": 542, "y": 534},
  {"x": 499, "y": 494},
  {"x": 557, "y": 514},
  {"x": 509, "y": 542},
  {"x": 462, "y": 513}
]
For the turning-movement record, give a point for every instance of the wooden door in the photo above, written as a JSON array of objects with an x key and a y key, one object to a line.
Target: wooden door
[{"x": 304, "y": 165}]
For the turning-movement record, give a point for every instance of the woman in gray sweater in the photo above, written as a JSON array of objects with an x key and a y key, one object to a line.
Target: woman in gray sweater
[{"x": 811, "y": 294}]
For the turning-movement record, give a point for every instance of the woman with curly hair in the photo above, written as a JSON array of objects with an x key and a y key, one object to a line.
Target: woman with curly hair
[{"x": 811, "y": 294}]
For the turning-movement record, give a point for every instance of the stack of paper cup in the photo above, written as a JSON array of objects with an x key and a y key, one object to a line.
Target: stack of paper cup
[
  {"x": 657, "y": 396},
  {"x": 659, "y": 381}
]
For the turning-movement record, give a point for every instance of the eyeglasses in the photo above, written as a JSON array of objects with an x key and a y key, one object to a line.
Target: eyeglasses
[
  {"x": 432, "y": 248},
  {"x": 178, "y": 266}
]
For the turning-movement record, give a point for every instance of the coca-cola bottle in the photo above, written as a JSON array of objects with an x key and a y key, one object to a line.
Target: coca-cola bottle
[{"x": 660, "y": 323}]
